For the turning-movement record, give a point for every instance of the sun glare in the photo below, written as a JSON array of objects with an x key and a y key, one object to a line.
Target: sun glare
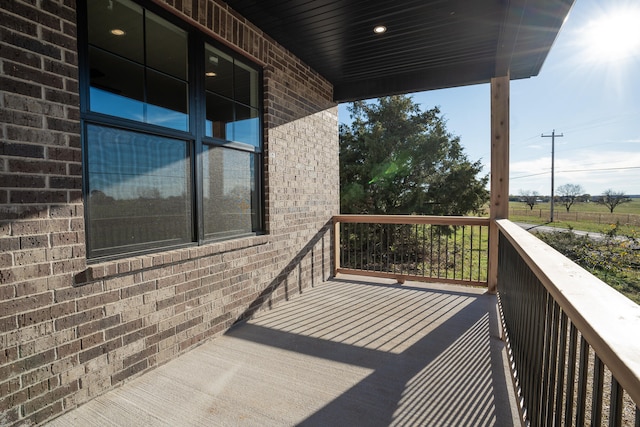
[{"x": 614, "y": 35}]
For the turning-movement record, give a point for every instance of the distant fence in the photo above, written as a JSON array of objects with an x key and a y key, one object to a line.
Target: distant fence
[{"x": 598, "y": 218}]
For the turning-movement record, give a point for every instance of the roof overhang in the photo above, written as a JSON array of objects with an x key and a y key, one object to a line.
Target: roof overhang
[{"x": 429, "y": 44}]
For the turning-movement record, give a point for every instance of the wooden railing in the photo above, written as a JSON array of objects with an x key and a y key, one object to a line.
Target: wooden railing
[
  {"x": 574, "y": 342},
  {"x": 424, "y": 248}
]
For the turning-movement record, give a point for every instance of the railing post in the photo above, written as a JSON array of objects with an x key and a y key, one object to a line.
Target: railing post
[{"x": 499, "y": 208}]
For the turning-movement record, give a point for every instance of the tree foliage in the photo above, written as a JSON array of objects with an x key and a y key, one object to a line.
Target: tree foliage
[
  {"x": 611, "y": 199},
  {"x": 569, "y": 194},
  {"x": 397, "y": 159}
]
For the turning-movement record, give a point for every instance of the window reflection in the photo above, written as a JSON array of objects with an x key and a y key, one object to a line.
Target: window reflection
[
  {"x": 126, "y": 83},
  {"x": 219, "y": 116},
  {"x": 218, "y": 72},
  {"x": 139, "y": 190},
  {"x": 232, "y": 98},
  {"x": 246, "y": 84},
  {"x": 166, "y": 47},
  {"x": 105, "y": 16},
  {"x": 246, "y": 128},
  {"x": 117, "y": 85},
  {"x": 230, "y": 197},
  {"x": 168, "y": 101}
]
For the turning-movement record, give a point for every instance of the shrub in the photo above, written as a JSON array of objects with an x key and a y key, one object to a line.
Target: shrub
[{"x": 611, "y": 256}]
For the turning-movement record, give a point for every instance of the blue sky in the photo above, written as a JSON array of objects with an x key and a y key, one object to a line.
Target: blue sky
[{"x": 588, "y": 90}]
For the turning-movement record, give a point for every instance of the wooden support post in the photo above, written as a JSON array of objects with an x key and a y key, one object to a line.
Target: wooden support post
[{"x": 499, "y": 208}]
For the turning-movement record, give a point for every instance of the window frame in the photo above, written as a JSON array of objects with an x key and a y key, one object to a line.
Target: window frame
[{"x": 195, "y": 136}]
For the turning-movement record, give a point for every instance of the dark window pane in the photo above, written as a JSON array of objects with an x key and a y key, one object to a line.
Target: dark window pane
[
  {"x": 117, "y": 86},
  {"x": 166, "y": 47},
  {"x": 139, "y": 191},
  {"x": 116, "y": 26},
  {"x": 140, "y": 194},
  {"x": 219, "y": 117},
  {"x": 246, "y": 84},
  {"x": 246, "y": 127},
  {"x": 168, "y": 101},
  {"x": 230, "y": 198},
  {"x": 218, "y": 71}
]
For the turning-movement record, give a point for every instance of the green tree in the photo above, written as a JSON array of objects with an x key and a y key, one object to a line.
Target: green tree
[{"x": 397, "y": 159}]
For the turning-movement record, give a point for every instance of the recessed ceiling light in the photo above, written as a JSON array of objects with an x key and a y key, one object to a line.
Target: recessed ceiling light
[
  {"x": 379, "y": 29},
  {"x": 118, "y": 32},
  {"x": 210, "y": 74}
]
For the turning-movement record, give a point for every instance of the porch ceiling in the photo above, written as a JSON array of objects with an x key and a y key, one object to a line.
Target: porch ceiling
[{"x": 428, "y": 44}]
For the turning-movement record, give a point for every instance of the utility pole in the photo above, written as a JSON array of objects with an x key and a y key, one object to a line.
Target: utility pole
[{"x": 553, "y": 137}]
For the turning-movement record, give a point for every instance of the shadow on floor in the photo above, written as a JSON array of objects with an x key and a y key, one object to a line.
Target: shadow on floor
[{"x": 346, "y": 353}]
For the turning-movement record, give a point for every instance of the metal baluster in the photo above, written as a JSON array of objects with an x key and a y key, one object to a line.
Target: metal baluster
[
  {"x": 462, "y": 254},
  {"x": 582, "y": 381},
  {"x": 446, "y": 252},
  {"x": 479, "y": 254},
  {"x": 424, "y": 249},
  {"x": 438, "y": 250},
  {"x": 615, "y": 409},
  {"x": 561, "y": 367},
  {"x": 571, "y": 373},
  {"x": 368, "y": 237},
  {"x": 360, "y": 248},
  {"x": 596, "y": 398},
  {"x": 553, "y": 360},
  {"x": 538, "y": 356},
  {"x": 431, "y": 251},
  {"x": 347, "y": 244}
]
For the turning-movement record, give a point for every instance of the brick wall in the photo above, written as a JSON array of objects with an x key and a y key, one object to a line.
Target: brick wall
[{"x": 70, "y": 330}]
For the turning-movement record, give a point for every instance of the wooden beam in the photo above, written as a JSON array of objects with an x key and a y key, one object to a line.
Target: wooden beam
[{"x": 499, "y": 207}]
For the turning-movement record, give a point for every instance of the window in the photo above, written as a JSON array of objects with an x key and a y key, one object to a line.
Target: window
[{"x": 171, "y": 134}]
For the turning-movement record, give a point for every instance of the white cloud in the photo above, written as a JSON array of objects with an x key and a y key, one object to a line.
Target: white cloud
[{"x": 595, "y": 171}]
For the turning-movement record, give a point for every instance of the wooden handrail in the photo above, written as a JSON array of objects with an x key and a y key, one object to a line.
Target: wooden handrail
[
  {"x": 412, "y": 219},
  {"x": 608, "y": 320}
]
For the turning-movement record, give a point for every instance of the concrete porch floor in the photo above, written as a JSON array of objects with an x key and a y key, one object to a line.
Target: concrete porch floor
[{"x": 353, "y": 351}]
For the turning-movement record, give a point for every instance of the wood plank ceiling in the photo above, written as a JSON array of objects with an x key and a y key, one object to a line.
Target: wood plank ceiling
[{"x": 429, "y": 44}]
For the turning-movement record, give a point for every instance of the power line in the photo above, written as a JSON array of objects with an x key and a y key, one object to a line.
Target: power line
[
  {"x": 601, "y": 169},
  {"x": 533, "y": 174},
  {"x": 577, "y": 170}
]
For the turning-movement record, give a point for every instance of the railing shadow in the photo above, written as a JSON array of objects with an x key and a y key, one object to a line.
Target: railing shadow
[
  {"x": 435, "y": 357},
  {"x": 282, "y": 279}
]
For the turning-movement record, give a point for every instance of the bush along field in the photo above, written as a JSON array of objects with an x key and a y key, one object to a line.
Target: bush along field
[{"x": 614, "y": 258}]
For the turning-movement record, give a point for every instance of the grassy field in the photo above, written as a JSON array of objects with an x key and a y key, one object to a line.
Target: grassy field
[
  {"x": 632, "y": 207},
  {"x": 582, "y": 216}
]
